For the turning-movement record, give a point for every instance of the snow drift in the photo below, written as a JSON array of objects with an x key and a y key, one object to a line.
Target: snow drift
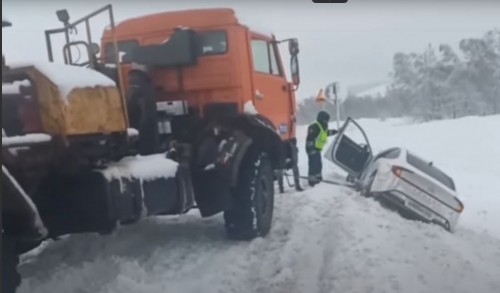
[{"x": 326, "y": 239}]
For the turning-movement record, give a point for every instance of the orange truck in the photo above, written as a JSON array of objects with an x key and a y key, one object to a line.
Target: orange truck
[{"x": 172, "y": 111}]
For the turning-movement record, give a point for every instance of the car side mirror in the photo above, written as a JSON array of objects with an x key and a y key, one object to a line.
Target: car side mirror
[{"x": 294, "y": 69}]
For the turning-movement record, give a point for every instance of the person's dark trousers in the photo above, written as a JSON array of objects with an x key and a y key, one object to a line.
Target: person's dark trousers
[{"x": 315, "y": 168}]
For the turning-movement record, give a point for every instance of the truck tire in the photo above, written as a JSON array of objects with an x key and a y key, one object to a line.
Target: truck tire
[
  {"x": 251, "y": 214},
  {"x": 11, "y": 278}
]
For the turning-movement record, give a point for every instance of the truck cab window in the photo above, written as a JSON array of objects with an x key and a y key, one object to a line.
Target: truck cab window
[
  {"x": 264, "y": 57},
  {"x": 213, "y": 42}
]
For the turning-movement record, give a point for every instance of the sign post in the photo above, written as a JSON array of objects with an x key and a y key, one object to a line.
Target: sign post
[
  {"x": 337, "y": 102},
  {"x": 332, "y": 94},
  {"x": 320, "y": 98}
]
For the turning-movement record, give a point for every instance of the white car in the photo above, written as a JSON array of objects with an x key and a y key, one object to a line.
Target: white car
[{"x": 398, "y": 178}]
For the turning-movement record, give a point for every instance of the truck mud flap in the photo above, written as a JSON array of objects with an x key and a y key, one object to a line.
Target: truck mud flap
[
  {"x": 218, "y": 171},
  {"x": 213, "y": 190}
]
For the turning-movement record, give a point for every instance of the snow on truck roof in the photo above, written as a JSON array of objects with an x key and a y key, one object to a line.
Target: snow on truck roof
[
  {"x": 68, "y": 77},
  {"x": 14, "y": 88}
]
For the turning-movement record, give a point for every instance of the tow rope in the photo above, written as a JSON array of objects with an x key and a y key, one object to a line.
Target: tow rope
[{"x": 290, "y": 184}]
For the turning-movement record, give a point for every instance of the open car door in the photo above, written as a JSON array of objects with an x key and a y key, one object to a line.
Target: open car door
[{"x": 351, "y": 153}]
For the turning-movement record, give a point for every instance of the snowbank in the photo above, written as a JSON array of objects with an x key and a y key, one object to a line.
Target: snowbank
[
  {"x": 22, "y": 140},
  {"x": 142, "y": 167},
  {"x": 14, "y": 88},
  {"x": 67, "y": 77}
]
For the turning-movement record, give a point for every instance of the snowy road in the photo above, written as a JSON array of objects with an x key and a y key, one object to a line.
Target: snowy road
[{"x": 326, "y": 239}]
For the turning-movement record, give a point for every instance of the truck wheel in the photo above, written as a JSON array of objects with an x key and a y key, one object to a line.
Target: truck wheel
[
  {"x": 11, "y": 278},
  {"x": 253, "y": 199}
]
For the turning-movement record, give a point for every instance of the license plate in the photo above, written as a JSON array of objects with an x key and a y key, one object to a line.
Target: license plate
[{"x": 418, "y": 208}]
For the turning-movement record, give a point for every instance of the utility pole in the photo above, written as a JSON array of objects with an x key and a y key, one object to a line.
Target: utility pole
[{"x": 337, "y": 102}]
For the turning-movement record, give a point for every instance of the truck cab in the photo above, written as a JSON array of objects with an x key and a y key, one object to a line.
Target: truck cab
[{"x": 233, "y": 70}]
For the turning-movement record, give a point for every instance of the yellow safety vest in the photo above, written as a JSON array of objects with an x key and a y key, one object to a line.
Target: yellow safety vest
[{"x": 322, "y": 137}]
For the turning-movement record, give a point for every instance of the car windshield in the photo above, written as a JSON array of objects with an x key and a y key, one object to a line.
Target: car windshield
[{"x": 430, "y": 170}]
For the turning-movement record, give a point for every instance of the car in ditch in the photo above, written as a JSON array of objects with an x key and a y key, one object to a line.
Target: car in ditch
[{"x": 396, "y": 177}]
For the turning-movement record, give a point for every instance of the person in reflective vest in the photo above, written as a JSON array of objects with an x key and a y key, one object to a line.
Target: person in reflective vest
[{"x": 317, "y": 137}]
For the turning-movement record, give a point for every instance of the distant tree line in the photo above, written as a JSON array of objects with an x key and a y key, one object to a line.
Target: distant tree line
[{"x": 435, "y": 84}]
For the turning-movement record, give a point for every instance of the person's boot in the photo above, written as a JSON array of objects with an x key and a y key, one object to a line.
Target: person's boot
[
  {"x": 312, "y": 181},
  {"x": 297, "y": 184}
]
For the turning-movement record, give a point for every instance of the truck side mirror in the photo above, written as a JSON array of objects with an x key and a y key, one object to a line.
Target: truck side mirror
[
  {"x": 293, "y": 47},
  {"x": 294, "y": 69}
]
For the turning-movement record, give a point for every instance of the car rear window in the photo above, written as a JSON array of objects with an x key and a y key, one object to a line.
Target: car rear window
[
  {"x": 430, "y": 170},
  {"x": 392, "y": 153}
]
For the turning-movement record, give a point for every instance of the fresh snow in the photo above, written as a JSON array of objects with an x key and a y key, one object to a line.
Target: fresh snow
[
  {"x": 67, "y": 77},
  {"x": 14, "y": 87},
  {"x": 142, "y": 167},
  {"x": 325, "y": 239},
  {"x": 249, "y": 108},
  {"x": 27, "y": 139},
  {"x": 132, "y": 132}
]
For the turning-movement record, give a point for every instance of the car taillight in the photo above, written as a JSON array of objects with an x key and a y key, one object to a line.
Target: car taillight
[
  {"x": 461, "y": 206},
  {"x": 398, "y": 170}
]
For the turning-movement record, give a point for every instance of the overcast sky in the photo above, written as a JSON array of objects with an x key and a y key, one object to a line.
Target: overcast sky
[{"x": 351, "y": 43}]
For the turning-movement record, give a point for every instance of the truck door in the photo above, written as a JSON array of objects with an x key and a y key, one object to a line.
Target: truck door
[
  {"x": 272, "y": 96},
  {"x": 351, "y": 153}
]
